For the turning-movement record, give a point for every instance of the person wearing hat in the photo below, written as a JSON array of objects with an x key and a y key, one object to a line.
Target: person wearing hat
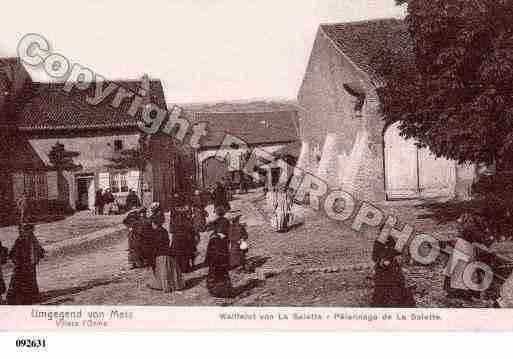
[
  {"x": 25, "y": 254},
  {"x": 181, "y": 227},
  {"x": 390, "y": 289},
  {"x": 132, "y": 200},
  {"x": 166, "y": 273},
  {"x": 155, "y": 213},
  {"x": 221, "y": 196},
  {"x": 4, "y": 255},
  {"x": 218, "y": 256}
]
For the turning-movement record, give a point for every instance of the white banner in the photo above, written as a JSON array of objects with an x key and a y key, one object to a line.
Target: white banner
[{"x": 77, "y": 318}]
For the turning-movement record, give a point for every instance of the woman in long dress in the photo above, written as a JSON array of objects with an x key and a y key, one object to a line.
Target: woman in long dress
[
  {"x": 218, "y": 256},
  {"x": 221, "y": 196},
  {"x": 281, "y": 211},
  {"x": 389, "y": 284},
  {"x": 166, "y": 272},
  {"x": 25, "y": 254},
  {"x": 180, "y": 226}
]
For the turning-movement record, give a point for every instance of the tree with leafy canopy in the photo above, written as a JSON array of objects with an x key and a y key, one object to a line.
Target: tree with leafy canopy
[
  {"x": 459, "y": 99},
  {"x": 62, "y": 159}
]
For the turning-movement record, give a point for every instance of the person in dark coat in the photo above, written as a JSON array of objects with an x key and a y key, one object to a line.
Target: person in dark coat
[
  {"x": 98, "y": 202},
  {"x": 145, "y": 234},
  {"x": 132, "y": 200},
  {"x": 108, "y": 201},
  {"x": 4, "y": 255},
  {"x": 181, "y": 227},
  {"x": 389, "y": 283},
  {"x": 135, "y": 245},
  {"x": 25, "y": 254},
  {"x": 220, "y": 195},
  {"x": 218, "y": 256}
]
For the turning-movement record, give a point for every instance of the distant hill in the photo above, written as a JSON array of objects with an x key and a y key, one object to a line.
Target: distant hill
[{"x": 241, "y": 106}]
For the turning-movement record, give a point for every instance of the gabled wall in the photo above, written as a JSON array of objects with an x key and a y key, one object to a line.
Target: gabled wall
[{"x": 342, "y": 145}]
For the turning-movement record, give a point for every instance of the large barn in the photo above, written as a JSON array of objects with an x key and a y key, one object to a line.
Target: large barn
[{"x": 345, "y": 139}]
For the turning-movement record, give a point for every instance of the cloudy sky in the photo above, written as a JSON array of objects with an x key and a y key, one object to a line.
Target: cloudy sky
[{"x": 203, "y": 50}]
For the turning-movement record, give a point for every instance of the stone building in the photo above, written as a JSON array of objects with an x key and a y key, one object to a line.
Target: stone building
[
  {"x": 270, "y": 131},
  {"x": 38, "y": 116},
  {"x": 98, "y": 133},
  {"x": 345, "y": 139}
]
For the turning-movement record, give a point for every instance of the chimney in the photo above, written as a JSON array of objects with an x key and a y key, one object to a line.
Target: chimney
[{"x": 145, "y": 90}]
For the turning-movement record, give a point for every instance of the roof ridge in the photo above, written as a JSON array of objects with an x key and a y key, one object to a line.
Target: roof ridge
[
  {"x": 362, "y": 22},
  {"x": 241, "y": 112},
  {"x": 92, "y": 82}
]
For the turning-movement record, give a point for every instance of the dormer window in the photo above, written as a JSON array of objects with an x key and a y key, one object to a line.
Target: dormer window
[{"x": 118, "y": 145}]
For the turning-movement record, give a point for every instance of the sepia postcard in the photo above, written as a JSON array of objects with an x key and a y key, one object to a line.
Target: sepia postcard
[{"x": 270, "y": 165}]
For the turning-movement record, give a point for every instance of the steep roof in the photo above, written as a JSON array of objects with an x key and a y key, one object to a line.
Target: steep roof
[
  {"x": 252, "y": 127},
  {"x": 47, "y": 106},
  {"x": 362, "y": 41}
]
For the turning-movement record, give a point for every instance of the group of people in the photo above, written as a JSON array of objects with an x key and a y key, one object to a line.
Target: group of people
[
  {"x": 25, "y": 255},
  {"x": 150, "y": 244},
  {"x": 105, "y": 202}
]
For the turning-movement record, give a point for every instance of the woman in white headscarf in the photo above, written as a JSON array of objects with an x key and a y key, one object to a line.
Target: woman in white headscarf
[
  {"x": 166, "y": 272},
  {"x": 282, "y": 210}
]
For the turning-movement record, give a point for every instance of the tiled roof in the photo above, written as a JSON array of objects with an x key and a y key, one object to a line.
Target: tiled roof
[
  {"x": 47, "y": 106},
  {"x": 252, "y": 127},
  {"x": 362, "y": 41}
]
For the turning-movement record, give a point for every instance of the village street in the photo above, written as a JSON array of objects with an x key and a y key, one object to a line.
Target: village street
[{"x": 317, "y": 263}]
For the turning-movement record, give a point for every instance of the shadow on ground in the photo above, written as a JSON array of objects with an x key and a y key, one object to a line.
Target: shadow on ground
[{"x": 46, "y": 297}]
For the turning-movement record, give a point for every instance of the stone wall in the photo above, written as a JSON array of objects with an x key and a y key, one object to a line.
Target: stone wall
[{"x": 350, "y": 139}]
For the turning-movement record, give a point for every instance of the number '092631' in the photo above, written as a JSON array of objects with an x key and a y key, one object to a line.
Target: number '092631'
[{"x": 30, "y": 343}]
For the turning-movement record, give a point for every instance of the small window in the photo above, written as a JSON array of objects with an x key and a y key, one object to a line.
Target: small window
[
  {"x": 119, "y": 183},
  {"x": 118, "y": 145},
  {"x": 30, "y": 185}
]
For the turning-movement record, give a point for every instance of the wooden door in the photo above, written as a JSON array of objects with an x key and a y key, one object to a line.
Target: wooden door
[
  {"x": 401, "y": 165},
  {"x": 436, "y": 175},
  {"x": 91, "y": 193}
]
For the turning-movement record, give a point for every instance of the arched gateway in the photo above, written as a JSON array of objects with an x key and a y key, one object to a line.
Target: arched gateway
[
  {"x": 213, "y": 170},
  {"x": 411, "y": 172}
]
